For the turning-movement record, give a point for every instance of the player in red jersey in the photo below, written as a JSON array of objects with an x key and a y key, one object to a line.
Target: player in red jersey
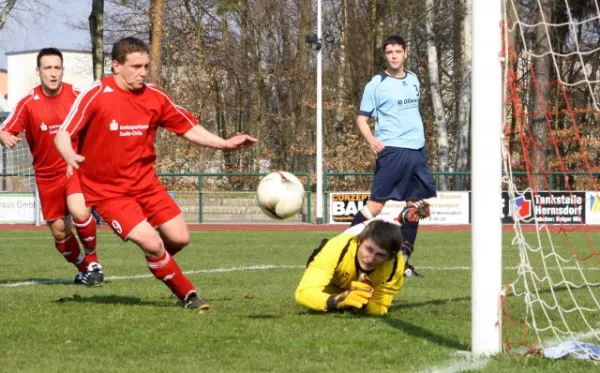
[
  {"x": 115, "y": 122},
  {"x": 40, "y": 114}
]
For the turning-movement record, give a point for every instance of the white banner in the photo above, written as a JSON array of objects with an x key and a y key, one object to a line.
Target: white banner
[
  {"x": 449, "y": 208},
  {"x": 592, "y": 208},
  {"x": 17, "y": 208}
]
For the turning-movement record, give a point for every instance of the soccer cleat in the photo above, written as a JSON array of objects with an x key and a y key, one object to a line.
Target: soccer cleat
[
  {"x": 81, "y": 278},
  {"x": 409, "y": 271},
  {"x": 414, "y": 212},
  {"x": 95, "y": 276},
  {"x": 193, "y": 301}
]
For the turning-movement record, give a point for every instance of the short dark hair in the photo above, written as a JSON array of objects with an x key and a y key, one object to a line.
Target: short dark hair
[
  {"x": 127, "y": 46},
  {"x": 385, "y": 234},
  {"x": 48, "y": 52},
  {"x": 394, "y": 40}
]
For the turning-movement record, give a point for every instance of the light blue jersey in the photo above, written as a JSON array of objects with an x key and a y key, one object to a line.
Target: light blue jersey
[{"x": 394, "y": 103}]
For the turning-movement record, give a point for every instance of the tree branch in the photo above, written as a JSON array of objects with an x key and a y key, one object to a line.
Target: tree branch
[{"x": 4, "y": 14}]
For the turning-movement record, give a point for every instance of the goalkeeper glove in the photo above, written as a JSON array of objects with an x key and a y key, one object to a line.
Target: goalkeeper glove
[
  {"x": 363, "y": 279},
  {"x": 414, "y": 212},
  {"x": 353, "y": 298}
]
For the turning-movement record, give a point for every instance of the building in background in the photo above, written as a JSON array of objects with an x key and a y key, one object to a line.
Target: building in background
[
  {"x": 3, "y": 90},
  {"x": 21, "y": 75},
  {"x": 3, "y": 83}
]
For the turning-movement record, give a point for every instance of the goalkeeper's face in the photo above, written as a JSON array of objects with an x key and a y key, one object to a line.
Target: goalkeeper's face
[{"x": 370, "y": 255}]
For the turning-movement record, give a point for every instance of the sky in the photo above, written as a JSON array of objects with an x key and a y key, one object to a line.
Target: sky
[{"x": 33, "y": 24}]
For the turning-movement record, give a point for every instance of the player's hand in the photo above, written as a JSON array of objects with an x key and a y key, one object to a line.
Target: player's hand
[
  {"x": 414, "y": 211},
  {"x": 356, "y": 298},
  {"x": 376, "y": 145},
  {"x": 73, "y": 162},
  {"x": 362, "y": 285},
  {"x": 8, "y": 140},
  {"x": 364, "y": 279},
  {"x": 239, "y": 142},
  {"x": 69, "y": 171}
]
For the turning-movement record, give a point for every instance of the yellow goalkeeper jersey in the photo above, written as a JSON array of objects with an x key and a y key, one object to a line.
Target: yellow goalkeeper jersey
[{"x": 333, "y": 267}]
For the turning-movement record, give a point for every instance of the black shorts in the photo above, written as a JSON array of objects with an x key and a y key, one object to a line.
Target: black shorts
[{"x": 402, "y": 174}]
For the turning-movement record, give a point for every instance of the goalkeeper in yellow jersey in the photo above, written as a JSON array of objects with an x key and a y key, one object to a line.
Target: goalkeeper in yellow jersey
[{"x": 360, "y": 269}]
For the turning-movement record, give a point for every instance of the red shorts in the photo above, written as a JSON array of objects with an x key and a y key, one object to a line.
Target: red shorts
[
  {"x": 53, "y": 192},
  {"x": 126, "y": 212}
]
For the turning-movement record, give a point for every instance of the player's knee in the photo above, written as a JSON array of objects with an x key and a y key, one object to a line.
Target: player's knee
[
  {"x": 60, "y": 229},
  {"x": 152, "y": 245},
  {"x": 80, "y": 214},
  {"x": 373, "y": 208},
  {"x": 182, "y": 239}
]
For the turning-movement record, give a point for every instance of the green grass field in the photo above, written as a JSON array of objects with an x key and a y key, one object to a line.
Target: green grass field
[{"x": 132, "y": 323}]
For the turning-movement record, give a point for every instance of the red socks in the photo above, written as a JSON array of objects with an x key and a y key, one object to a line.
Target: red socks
[
  {"x": 166, "y": 269},
  {"x": 86, "y": 230},
  {"x": 69, "y": 248}
]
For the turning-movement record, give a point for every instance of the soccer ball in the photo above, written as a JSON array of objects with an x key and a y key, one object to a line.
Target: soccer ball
[{"x": 280, "y": 195}]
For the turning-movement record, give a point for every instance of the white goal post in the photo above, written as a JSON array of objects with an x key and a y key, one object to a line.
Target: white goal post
[{"x": 486, "y": 167}]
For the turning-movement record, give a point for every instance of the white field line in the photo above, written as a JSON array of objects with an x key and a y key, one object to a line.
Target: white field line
[
  {"x": 46, "y": 237},
  {"x": 136, "y": 277},
  {"x": 243, "y": 268},
  {"x": 464, "y": 361}
]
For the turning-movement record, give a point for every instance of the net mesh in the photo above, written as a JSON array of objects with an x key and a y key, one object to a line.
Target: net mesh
[{"x": 551, "y": 172}]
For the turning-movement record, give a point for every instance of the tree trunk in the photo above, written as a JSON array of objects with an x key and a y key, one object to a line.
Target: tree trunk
[
  {"x": 341, "y": 74},
  {"x": 157, "y": 16},
  {"x": 436, "y": 96},
  {"x": 464, "y": 109},
  {"x": 96, "y": 21},
  {"x": 538, "y": 100}
]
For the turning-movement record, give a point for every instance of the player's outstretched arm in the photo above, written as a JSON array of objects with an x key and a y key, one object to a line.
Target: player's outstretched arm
[
  {"x": 62, "y": 141},
  {"x": 201, "y": 136},
  {"x": 8, "y": 140}
]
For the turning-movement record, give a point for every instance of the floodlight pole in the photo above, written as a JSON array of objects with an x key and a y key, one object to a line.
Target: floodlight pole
[
  {"x": 486, "y": 163},
  {"x": 319, "y": 161}
]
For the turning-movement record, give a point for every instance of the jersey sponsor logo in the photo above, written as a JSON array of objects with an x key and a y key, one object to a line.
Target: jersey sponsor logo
[
  {"x": 107, "y": 89},
  {"x": 36, "y": 97},
  {"x": 51, "y": 128},
  {"x": 128, "y": 130},
  {"x": 407, "y": 101}
]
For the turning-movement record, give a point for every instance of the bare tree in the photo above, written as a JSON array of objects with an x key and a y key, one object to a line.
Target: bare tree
[
  {"x": 539, "y": 95},
  {"x": 5, "y": 8},
  {"x": 157, "y": 16},
  {"x": 96, "y": 21},
  {"x": 436, "y": 96},
  {"x": 464, "y": 105}
]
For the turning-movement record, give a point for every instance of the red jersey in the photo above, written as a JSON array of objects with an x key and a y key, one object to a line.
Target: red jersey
[
  {"x": 115, "y": 129},
  {"x": 40, "y": 116}
]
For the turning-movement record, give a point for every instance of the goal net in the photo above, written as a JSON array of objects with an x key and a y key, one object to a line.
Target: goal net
[
  {"x": 18, "y": 196},
  {"x": 551, "y": 171}
]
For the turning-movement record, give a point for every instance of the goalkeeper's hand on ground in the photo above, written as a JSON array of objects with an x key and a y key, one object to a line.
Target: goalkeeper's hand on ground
[
  {"x": 353, "y": 298},
  {"x": 415, "y": 211}
]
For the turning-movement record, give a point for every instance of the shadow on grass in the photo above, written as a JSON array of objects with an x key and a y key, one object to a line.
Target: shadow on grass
[
  {"x": 115, "y": 299},
  {"x": 423, "y": 333},
  {"x": 433, "y": 302},
  {"x": 263, "y": 317}
]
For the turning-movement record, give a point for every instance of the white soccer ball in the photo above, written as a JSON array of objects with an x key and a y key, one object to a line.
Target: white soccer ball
[{"x": 280, "y": 195}]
